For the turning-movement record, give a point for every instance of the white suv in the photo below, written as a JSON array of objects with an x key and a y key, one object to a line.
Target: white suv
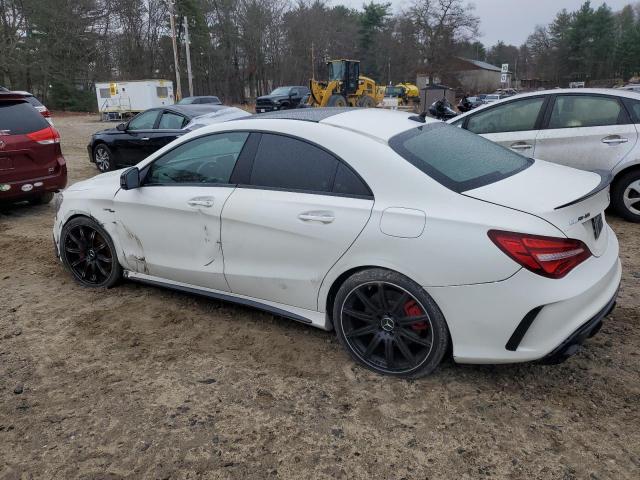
[{"x": 590, "y": 129}]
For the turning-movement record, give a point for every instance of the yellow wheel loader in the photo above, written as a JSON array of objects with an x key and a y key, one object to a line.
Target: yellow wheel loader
[{"x": 345, "y": 87}]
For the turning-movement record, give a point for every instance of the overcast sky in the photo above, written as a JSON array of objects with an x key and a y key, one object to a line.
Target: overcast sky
[{"x": 509, "y": 20}]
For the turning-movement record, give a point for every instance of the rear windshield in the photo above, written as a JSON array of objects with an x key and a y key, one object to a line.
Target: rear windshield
[
  {"x": 458, "y": 159},
  {"x": 19, "y": 118}
]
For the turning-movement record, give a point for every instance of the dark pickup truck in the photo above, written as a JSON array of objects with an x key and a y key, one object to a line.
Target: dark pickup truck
[{"x": 282, "y": 98}]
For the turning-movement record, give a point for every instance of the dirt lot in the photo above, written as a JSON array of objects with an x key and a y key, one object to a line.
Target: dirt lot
[{"x": 138, "y": 382}]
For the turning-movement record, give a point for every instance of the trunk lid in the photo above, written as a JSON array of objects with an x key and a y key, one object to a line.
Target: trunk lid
[{"x": 568, "y": 198}]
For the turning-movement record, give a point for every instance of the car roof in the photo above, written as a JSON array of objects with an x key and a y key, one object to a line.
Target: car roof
[
  {"x": 376, "y": 123},
  {"x": 555, "y": 91}
]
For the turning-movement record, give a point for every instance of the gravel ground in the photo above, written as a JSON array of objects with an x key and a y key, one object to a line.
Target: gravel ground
[{"x": 138, "y": 382}]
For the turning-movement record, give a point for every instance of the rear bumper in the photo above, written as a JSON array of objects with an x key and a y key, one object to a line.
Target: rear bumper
[
  {"x": 484, "y": 318},
  {"x": 32, "y": 187},
  {"x": 572, "y": 344}
]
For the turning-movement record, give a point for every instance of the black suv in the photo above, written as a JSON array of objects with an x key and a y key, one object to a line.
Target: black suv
[{"x": 282, "y": 98}]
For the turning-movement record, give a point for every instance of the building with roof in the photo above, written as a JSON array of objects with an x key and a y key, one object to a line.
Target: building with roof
[{"x": 475, "y": 76}]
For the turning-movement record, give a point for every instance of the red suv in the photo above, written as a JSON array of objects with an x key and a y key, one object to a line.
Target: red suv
[{"x": 31, "y": 163}]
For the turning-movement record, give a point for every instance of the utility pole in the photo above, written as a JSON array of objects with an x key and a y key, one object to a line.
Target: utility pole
[
  {"x": 186, "y": 41},
  {"x": 313, "y": 64},
  {"x": 175, "y": 50}
]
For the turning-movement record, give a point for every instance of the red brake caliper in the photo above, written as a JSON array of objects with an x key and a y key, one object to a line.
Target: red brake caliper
[{"x": 412, "y": 309}]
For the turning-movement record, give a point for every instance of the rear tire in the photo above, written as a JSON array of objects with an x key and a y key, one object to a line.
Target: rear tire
[
  {"x": 625, "y": 196},
  {"x": 103, "y": 158},
  {"x": 88, "y": 252},
  {"x": 41, "y": 199},
  {"x": 389, "y": 324},
  {"x": 337, "y": 100},
  {"x": 366, "y": 101}
]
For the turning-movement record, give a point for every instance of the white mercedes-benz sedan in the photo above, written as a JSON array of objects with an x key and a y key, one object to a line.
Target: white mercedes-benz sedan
[{"x": 409, "y": 237}]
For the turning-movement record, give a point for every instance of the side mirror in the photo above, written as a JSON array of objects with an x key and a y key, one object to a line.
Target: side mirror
[
  {"x": 122, "y": 127},
  {"x": 130, "y": 179}
]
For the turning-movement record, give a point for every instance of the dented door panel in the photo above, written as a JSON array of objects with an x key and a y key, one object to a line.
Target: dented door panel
[{"x": 173, "y": 232}]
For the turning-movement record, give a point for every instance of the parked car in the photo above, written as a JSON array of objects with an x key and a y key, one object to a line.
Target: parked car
[
  {"x": 32, "y": 167},
  {"x": 200, "y": 100},
  {"x": 282, "y": 98},
  {"x": 590, "y": 129},
  {"x": 221, "y": 115},
  {"x": 492, "y": 97},
  {"x": 631, "y": 88},
  {"x": 131, "y": 142},
  {"x": 297, "y": 213}
]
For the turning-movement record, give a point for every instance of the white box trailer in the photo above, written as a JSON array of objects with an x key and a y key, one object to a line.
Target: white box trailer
[{"x": 122, "y": 99}]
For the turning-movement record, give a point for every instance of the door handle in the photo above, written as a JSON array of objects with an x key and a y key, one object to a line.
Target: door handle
[
  {"x": 521, "y": 146},
  {"x": 317, "y": 216},
  {"x": 144, "y": 138},
  {"x": 614, "y": 140},
  {"x": 200, "y": 202}
]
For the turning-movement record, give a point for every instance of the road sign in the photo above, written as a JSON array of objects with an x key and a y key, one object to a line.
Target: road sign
[
  {"x": 505, "y": 68},
  {"x": 503, "y": 78}
]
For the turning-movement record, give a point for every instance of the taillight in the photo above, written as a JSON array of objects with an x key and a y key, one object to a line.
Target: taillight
[
  {"x": 46, "y": 113},
  {"x": 547, "y": 256},
  {"x": 46, "y": 136}
]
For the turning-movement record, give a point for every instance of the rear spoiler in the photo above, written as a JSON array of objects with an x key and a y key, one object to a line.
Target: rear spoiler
[
  {"x": 11, "y": 96},
  {"x": 606, "y": 177}
]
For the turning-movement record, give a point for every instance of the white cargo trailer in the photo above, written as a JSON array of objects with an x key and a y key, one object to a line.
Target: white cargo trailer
[{"x": 122, "y": 99}]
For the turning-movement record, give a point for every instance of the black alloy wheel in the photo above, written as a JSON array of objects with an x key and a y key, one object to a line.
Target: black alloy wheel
[
  {"x": 88, "y": 252},
  {"x": 390, "y": 325}
]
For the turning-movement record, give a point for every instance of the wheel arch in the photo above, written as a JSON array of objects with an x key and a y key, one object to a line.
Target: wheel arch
[{"x": 624, "y": 171}]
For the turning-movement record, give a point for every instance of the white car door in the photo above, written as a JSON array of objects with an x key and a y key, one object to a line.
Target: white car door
[
  {"x": 513, "y": 124},
  {"x": 586, "y": 131},
  {"x": 300, "y": 212},
  {"x": 171, "y": 223}
]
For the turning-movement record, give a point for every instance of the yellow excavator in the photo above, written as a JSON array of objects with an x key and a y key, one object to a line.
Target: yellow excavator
[{"x": 345, "y": 87}]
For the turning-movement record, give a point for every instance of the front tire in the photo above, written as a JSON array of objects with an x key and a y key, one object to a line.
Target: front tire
[
  {"x": 87, "y": 251},
  {"x": 103, "y": 158},
  {"x": 625, "y": 196},
  {"x": 389, "y": 324}
]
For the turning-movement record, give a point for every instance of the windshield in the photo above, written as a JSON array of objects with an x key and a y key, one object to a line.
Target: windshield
[
  {"x": 456, "y": 158},
  {"x": 223, "y": 115},
  {"x": 281, "y": 91},
  {"x": 336, "y": 71},
  {"x": 393, "y": 92}
]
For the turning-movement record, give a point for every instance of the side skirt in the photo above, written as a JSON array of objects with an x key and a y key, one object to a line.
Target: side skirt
[{"x": 309, "y": 317}]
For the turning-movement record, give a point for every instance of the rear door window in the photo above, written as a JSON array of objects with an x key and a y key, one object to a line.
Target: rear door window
[
  {"x": 516, "y": 116},
  {"x": 171, "y": 121},
  {"x": 290, "y": 164},
  {"x": 19, "y": 118},
  {"x": 456, "y": 158},
  {"x": 573, "y": 111},
  {"x": 634, "y": 107},
  {"x": 144, "y": 121}
]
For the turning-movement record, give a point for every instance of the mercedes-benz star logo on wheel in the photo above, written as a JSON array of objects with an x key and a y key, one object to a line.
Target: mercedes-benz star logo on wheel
[{"x": 387, "y": 324}]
